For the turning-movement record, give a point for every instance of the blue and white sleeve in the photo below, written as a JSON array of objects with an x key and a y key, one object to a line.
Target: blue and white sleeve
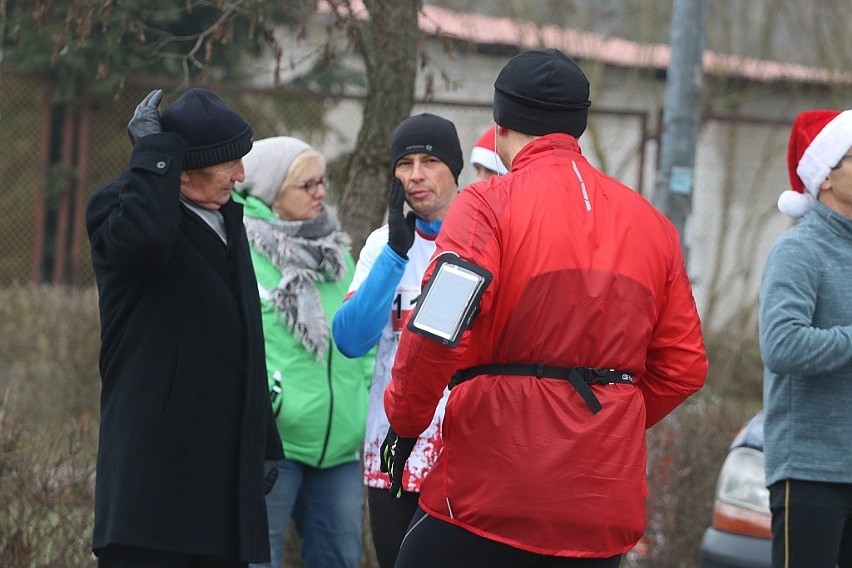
[{"x": 357, "y": 325}]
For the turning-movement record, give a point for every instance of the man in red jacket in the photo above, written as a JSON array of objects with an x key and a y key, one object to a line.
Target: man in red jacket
[{"x": 582, "y": 332}]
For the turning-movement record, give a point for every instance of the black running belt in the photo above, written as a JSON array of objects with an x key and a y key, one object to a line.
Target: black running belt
[{"x": 579, "y": 377}]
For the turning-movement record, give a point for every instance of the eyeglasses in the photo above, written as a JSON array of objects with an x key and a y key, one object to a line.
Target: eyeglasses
[
  {"x": 312, "y": 186},
  {"x": 840, "y": 162}
]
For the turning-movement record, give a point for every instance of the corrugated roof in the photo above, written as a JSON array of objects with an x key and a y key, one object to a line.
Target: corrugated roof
[{"x": 482, "y": 29}]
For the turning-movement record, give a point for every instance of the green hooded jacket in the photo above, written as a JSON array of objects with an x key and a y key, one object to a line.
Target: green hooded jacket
[{"x": 320, "y": 406}]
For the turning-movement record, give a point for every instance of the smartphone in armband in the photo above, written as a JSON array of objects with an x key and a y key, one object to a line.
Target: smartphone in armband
[{"x": 450, "y": 300}]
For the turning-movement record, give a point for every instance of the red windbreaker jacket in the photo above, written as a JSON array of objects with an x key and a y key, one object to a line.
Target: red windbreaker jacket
[{"x": 585, "y": 272}]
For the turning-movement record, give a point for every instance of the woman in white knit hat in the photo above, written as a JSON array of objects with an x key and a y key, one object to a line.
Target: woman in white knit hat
[{"x": 303, "y": 266}]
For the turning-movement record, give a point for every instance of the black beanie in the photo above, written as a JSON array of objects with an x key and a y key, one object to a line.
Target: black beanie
[
  {"x": 542, "y": 91},
  {"x": 430, "y": 134},
  {"x": 213, "y": 131}
]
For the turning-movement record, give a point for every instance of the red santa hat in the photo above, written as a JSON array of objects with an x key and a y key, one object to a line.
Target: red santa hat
[
  {"x": 818, "y": 140},
  {"x": 484, "y": 153}
]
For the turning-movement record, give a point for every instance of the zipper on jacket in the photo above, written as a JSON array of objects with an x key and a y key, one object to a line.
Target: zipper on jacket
[{"x": 330, "y": 404}]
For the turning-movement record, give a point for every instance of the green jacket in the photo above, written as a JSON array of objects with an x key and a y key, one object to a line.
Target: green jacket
[{"x": 320, "y": 406}]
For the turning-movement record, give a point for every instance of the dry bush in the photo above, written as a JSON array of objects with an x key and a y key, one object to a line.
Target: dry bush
[
  {"x": 49, "y": 344},
  {"x": 686, "y": 450},
  {"x": 49, "y": 341},
  {"x": 736, "y": 368},
  {"x": 47, "y": 496}
]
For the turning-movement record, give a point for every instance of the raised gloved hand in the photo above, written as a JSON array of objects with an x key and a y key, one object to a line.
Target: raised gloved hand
[
  {"x": 393, "y": 455},
  {"x": 400, "y": 227},
  {"x": 146, "y": 118}
]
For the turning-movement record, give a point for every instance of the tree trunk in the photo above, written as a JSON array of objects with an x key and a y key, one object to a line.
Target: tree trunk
[{"x": 389, "y": 47}]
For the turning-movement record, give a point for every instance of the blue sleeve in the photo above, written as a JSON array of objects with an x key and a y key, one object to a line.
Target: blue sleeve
[
  {"x": 358, "y": 323},
  {"x": 791, "y": 342}
]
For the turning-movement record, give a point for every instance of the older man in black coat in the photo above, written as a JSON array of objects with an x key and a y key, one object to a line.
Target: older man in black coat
[{"x": 185, "y": 412}]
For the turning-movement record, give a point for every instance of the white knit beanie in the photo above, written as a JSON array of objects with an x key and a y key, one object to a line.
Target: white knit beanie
[{"x": 267, "y": 165}]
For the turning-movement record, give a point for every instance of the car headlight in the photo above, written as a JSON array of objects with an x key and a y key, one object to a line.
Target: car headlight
[{"x": 742, "y": 499}]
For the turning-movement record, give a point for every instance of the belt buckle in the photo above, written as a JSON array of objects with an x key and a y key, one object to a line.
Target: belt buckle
[
  {"x": 595, "y": 374},
  {"x": 599, "y": 376}
]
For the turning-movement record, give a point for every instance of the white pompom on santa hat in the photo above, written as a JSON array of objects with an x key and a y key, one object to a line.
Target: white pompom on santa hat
[
  {"x": 818, "y": 140},
  {"x": 484, "y": 153}
]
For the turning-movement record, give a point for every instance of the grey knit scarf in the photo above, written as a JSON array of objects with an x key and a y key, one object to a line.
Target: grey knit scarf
[{"x": 305, "y": 252}]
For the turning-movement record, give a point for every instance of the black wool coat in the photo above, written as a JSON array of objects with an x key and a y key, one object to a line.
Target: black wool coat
[{"x": 185, "y": 413}]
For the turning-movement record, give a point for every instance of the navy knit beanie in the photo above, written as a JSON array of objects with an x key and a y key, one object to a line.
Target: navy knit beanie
[
  {"x": 430, "y": 134},
  {"x": 213, "y": 131},
  {"x": 542, "y": 91}
]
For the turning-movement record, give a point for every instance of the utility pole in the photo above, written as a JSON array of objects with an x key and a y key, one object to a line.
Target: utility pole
[{"x": 681, "y": 114}]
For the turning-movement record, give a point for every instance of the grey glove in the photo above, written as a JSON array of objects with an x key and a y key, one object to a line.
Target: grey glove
[
  {"x": 400, "y": 226},
  {"x": 146, "y": 118}
]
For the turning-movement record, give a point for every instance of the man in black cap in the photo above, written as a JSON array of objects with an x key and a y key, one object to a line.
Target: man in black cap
[
  {"x": 426, "y": 159},
  {"x": 185, "y": 413},
  {"x": 578, "y": 332}
]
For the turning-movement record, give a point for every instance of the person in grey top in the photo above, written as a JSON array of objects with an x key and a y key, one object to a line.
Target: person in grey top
[{"x": 806, "y": 345}]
